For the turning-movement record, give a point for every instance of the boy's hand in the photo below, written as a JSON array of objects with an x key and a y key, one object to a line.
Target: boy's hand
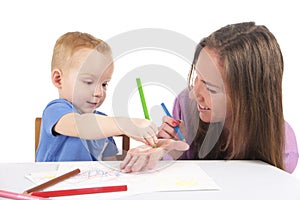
[
  {"x": 142, "y": 130},
  {"x": 145, "y": 157}
]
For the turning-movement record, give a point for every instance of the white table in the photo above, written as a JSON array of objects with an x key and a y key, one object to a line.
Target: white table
[{"x": 238, "y": 180}]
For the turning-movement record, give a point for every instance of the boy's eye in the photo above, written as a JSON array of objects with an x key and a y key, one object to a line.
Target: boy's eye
[
  {"x": 88, "y": 82},
  {"x": 104, "y": 84}
]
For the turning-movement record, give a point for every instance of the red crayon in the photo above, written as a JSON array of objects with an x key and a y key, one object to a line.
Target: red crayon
[{"x": 69, "y": 192}]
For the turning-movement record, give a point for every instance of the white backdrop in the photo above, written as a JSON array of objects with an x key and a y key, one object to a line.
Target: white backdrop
[{"x": 30, "y": 28}]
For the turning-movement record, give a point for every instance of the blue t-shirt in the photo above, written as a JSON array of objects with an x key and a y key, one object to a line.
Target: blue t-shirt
[{"x": 56, "y": 147}]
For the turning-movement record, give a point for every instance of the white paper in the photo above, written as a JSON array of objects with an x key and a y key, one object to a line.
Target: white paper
[{"x": 167, "y": 176}]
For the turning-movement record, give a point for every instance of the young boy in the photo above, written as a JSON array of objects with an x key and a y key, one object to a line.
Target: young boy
[{"x": 72, "y": 129}]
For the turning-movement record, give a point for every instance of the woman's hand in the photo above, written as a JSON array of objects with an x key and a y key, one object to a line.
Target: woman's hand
[
  {"x": 167, "y": 130},
  {"x": 146, "y": 157}
]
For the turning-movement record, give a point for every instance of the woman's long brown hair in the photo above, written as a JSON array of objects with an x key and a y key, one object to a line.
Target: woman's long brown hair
[{"x": 253, "y": 68}]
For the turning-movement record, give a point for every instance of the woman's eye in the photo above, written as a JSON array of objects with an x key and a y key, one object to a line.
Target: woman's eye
[
  {"x": 212, "y": 91},
  {"x": 207, "y": 87}
]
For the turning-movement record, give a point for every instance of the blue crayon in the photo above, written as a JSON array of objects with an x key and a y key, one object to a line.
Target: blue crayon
[{"x": 176, "y": 127}]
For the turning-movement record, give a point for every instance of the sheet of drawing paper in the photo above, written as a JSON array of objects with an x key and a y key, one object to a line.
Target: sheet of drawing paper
[{"x": 167, "y": 176}]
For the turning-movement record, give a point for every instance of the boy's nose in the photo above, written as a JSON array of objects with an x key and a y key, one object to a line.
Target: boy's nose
[{"x": 98, "y": 92}]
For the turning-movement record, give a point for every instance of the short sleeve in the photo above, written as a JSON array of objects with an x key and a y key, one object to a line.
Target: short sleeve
[
  {"x": 291, "y": 154},
  {"x": 53, "y": 112}
]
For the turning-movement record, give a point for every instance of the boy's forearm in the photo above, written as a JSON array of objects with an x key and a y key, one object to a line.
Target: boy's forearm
[{"x": 87, "y": 126}]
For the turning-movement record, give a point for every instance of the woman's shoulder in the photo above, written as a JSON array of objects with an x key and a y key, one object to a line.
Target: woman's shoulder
[
  {"x": 185, "y": 93},
  {"x": 290, "y": 136},
  {"x": 291, "y": 155}
]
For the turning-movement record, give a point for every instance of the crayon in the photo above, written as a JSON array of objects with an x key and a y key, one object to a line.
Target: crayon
[
  {"x": 69, "y": 192},
  {"x": 13, "y": 195},
  {"x": 181, "y": 137},
  {"x": 143, "y": 101},
  {"x": 142, "y": 97},
  {"x": 53, "y": 181}
]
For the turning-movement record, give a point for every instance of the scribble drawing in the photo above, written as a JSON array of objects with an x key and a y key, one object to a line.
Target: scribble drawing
[{"x": 96, "y": 173}]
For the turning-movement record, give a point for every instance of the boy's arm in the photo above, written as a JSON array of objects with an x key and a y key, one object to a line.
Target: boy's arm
[
  {"x": 86, "y": 126},
  {"x": 93, "y": 126}
]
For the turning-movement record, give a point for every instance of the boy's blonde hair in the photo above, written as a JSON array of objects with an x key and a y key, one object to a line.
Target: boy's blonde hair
[{"x": 69, "y": 43}]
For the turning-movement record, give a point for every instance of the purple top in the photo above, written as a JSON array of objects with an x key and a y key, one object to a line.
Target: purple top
[{"x": 185, "y": 109}]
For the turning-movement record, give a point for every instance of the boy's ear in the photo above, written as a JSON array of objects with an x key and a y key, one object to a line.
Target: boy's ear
[{"x": 56, "y": 76}]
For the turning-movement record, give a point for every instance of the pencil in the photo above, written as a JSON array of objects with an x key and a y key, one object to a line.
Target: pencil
[
  {"x": 142, "y": 97},
  {"x": 53, "y": 181},
  {"x": 69, "y": 192},
  {"x": 176, "y": 127},
  {"x": 13, "y": 195}
]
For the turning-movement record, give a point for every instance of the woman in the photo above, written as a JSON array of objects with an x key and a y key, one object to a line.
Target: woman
[{"x": 236, "y": 84}]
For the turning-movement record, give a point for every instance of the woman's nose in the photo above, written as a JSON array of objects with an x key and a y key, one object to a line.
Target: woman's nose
[
  {"x": 198, "y": 90},
  {"x": 196, "y": 94}
]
